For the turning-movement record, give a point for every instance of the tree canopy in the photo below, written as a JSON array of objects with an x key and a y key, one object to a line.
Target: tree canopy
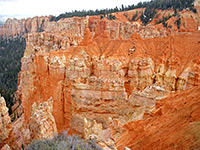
[{"x": 11, "y": 52}]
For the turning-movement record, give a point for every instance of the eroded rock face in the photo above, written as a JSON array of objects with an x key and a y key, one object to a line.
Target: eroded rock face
[
  {"x": 6, "y": 129},
  {"x": 42, "y": 123},
  {"x": 5, "y": 123},
  {"x": 14, "y": 27},
  {"x": 101, "y": 74},
  {"x": 99, "y": 70},
  {"x": 21, "y": 132},
  {"x": 6, "y": 147},
  {"x": 94, "y": 130},
  {"x": 141, "y": 73},
  {"x": 97, "y": 93},
  {"x": 190, "y": 76},
  {"x": 102, "y": 77}
]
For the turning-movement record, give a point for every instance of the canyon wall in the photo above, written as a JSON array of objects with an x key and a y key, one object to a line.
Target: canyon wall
[
  {"x": 104, "y": 77},
  {"x": 121, "y": 27},
  {"x": 14, "y": 27}
]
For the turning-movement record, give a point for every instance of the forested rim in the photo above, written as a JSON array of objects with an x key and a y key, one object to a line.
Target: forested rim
[
  {"x": 148, "y": 14},
  {"x": 11, "y": 52}
]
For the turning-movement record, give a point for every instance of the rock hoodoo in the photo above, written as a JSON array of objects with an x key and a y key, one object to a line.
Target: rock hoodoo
[
  {"x": 5, "y": 124},
  {"x": 6, "y": 130},
  {"x": 42, "y": 124}
]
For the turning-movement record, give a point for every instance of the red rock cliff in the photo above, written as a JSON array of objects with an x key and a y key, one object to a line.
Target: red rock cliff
[
  {"x": 106, "y": 73},
  {"x": 14, "y": 27},
  {"x": 101, "y": 72}
]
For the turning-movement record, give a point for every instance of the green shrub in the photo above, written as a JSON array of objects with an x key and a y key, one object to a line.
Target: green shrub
[{"x": 63, "y": 142}]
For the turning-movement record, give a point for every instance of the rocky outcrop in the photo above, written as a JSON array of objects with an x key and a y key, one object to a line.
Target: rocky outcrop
[
  {"x": 74, "y": 27},
  {"x": 42, "y": 123},
  {"x": 6, "y": 129},
  {"x": 14, "y": 27},
  {"x": 21, "y": 132},
  {"x": 120, "y": 28},
  {"x": 6, "y": 147},
  {"x": 140, "y": 73},
  {"x": 47, "y": 42},
  {"x": 190, "y": 76},
  {"x": 94, "y": 131},
  {"x": 5, "y": 123},
  {"x": 17, "y": 110},
  {"x": 97, "y": 93}
]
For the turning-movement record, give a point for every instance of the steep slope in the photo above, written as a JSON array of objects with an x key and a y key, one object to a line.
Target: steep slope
[{"x": 174, "y": 124}]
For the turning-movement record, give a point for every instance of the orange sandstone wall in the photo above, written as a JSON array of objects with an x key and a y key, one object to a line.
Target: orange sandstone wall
[
  {"x": 97, "y": 76},
  {"x": 102, "y": 70}
]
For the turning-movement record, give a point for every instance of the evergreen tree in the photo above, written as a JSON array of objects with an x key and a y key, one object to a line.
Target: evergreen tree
[
  {"x": 178, "y": 23},
  {"x": 122, "y": 7},
  {"x": 11, "y": 52}
]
